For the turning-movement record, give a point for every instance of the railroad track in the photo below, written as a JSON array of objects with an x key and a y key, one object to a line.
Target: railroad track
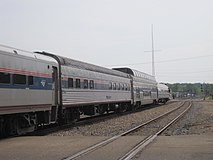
[
  {"x": 45, "y": 130},
  {"x": 176, "y": 113}
]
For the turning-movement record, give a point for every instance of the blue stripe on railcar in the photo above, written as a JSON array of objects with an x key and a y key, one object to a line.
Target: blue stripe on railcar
[{"x": 40, "y": 83}]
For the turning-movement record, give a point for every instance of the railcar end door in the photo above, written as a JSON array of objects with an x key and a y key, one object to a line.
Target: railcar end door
[
  {"x": 55, "y": 86},
  {"x": 55, "y": 93}
]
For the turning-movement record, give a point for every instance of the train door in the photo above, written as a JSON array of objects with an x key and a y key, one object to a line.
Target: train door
[
  {"x": 55, "y": 94},
  {"x": 132, "y": 90}
]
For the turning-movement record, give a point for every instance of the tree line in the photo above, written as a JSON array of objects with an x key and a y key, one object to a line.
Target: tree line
[{"x": 192, "y": 89}]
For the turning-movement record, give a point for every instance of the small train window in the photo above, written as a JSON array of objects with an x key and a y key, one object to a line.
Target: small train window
[
  {"x": 114, "y": 86},
  {"x": 4, "y": 78},
  {"x": 126, "y": 87},
  {"x": 70, "y": 82},
  {"x": 122, "y": 86},
  {"x": 19, "y": 79},
  {"x": 119, "y": 86},
  {"x": 78, "y": 83},
  {"x": 91, "y": 83},
  {"x": 110, "y": 85},
  {"x": 30, "y": 80},
  {"x": 85, "y": 84}
]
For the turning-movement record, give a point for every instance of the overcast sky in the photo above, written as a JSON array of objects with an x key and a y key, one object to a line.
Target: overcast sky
[{"x": 116, "y": 33}]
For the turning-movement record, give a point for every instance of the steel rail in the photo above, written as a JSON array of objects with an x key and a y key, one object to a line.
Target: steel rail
[
  {"x": 132, "y": 153},
  {"x": 52, "y": 128},
  {"x": 109, "y": 140}
]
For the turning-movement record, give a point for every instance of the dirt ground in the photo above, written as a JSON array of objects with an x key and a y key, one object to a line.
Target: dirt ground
[
  {"x": 198, "y": 121},
  {"x": 191, "y": 138}
]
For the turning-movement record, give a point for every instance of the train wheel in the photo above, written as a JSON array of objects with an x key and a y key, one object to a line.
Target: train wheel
[
  {"x": 133, "y": 108},
  {"x": 71, "y": 115},
  {"x": 21, "y": 126},
  {"x": 123, "y": 108},
  {"x": 75, "y": 115},
  {"x": 102, "y": 109},
  {"x": 155, "y": 102},
  {"x": 3, "y": 131}
]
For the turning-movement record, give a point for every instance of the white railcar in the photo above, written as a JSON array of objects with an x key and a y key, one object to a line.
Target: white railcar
[{"x": 163, "y": 93}]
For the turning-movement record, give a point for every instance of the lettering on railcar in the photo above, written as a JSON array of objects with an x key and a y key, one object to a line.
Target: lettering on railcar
[{"x": 108, "y": 97}]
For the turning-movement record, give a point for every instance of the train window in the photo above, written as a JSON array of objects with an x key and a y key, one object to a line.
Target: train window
[
  {"x": 137, "y": 90},
  {"x": 126, "y": 87},
  {"x": 70, "y": 82},
  {"x": 119, "y": 86},
  {"x": 4, "y": 78},
  {"x": 91, "y": 84},
  {"x": 146, "y": 93},
  {"x": 19, "y": 79},
  {"x": 110, "y": 85},
  {"x": 85, "y": 83},
  {"x": 30, "y": 80},
  {"x": 78, "y": 83},
  {"x": 114, "y": 86},
  {"x": 122, "y": 86}
]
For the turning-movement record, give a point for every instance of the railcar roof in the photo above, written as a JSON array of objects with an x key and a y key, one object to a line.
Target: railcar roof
[
  {"x": 83, "y": 65},
  {"x": 162, "y": 86},
  {"x": 18, "y": 52},
  {"x": 135, "y": 73}
]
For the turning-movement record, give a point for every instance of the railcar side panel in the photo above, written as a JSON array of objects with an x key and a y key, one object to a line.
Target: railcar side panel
[
  {"x": 106, "y": 89},
  {"x": 29, "y": 84}
]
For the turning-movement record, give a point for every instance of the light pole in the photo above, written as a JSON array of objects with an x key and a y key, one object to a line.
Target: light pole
[
  {"x": 153, "y": 58},
  {"x": 153, "y": 52}
]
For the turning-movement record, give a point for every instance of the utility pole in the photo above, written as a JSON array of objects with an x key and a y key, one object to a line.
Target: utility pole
[
  {"x": 153, "y": 62},
  {"x": 153, "y": 52}
]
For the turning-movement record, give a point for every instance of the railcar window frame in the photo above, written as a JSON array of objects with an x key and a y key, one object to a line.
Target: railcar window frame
[
  {"x": 86, "y": 84},
  {"x": 77, "y": 83},
  {"x": 70, "y": 83},
  {"x": 91, "y": 84},
  {"x": 114, "y": 86},
  {"x": 30, "y": 80},
  {"x": 19, "y": 79},
  {"x": 126, "y": 87},
  {"x": 119, "y": 86},
  {"x": 110, "y": 85},
  {"x": 3, "y": 80},
  {"x": 122, "y": 87}
]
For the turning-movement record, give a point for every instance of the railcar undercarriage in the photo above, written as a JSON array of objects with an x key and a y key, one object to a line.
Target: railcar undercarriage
[{"x": 20, "y": 124}]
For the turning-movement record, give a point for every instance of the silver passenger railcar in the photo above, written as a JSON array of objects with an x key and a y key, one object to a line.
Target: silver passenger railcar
[
  {"x": 26, "y": 92},
  {"x": 89, "y": 89},
  {"x": 42, "y": 88},
  {"x": 144, "y": 86},
  {"x": 163, "y": 93}
]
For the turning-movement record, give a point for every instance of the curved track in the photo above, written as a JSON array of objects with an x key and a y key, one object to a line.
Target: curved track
[
  {"x": 45, "y": 130},
  {"x": 142, "y": 143}
]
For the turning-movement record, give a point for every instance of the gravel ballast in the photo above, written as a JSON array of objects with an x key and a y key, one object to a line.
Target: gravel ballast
[
  {"x": 198, "y": 121},
  {"x": 117, "y": 125}
]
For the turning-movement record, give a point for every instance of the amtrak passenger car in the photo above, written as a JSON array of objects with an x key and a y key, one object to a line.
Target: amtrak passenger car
[
  {"x": 163, "y": 93},
  {"x": 41, "y": 88},
  {"x": 144, "y": 86},
  {"x": 89, "y": 89},
  {"x": 27, "y": 92}
]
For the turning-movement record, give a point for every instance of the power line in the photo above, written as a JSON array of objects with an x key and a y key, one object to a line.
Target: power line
[
  {"x": 165, "y": 61},
  {"x": 174, "y": 73}
]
